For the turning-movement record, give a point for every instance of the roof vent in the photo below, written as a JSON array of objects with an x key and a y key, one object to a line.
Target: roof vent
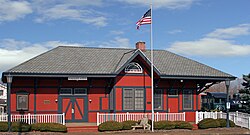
[{"x": 141, "y": 45}]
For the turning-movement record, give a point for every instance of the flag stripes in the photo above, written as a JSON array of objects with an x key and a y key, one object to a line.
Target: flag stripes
[{"x": 146, "y": 19}]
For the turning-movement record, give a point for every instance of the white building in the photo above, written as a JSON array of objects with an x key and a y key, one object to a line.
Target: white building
[{"x": 3, "y": 98}]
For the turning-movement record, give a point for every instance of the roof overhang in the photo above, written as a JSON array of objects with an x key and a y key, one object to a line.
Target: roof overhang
[
  {"x": 56, "y": 75},
  {"x": 197, "y": 77}
]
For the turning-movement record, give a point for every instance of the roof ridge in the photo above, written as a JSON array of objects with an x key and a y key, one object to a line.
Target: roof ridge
[{"x": 97, "y": 47}]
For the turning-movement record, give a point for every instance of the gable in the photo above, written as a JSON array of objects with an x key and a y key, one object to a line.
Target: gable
[{"x": 138, "y": 55}]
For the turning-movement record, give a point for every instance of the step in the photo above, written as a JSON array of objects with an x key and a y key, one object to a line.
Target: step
[
  {"x": 195, "y": 127},
  {"x": 83, "y": 129}
]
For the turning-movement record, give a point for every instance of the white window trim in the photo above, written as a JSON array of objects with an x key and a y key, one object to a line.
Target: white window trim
[{"x": 139, "y": 70}]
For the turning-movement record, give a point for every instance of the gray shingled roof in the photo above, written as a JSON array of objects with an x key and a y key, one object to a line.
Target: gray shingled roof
[{"x": 84, "y": 60}]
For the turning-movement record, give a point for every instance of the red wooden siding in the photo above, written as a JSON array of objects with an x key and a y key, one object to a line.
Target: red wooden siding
[{"x": 98, "y": 95}]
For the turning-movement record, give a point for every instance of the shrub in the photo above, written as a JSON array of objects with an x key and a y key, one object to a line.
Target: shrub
[
  {"x": 48, "y": 127},
  {"x": 223, "y": 122},
  {"x": 110, "y": 126},
  {"x": 159, "y": 125},
  {"x": 208, "y": 123},
  {"x": 182, "y": 125},
  {"x": 20, "y": 127},
  {"x": 127, "y": 125},
  {"x": 3, "y": 126}
]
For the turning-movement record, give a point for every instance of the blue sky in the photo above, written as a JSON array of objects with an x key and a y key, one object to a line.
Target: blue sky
[{"x": 213, "y": 32}]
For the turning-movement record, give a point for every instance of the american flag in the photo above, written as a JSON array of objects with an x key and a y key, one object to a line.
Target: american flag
[{"x": 146, "y": 19}]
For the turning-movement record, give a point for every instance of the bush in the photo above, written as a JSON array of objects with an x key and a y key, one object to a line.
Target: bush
[
  {"x": 20, "y": 127},
  {"x": 3, "y": 126},
  {"x": 127, "y": 125},
  {"x": 159, "y": 125},
  {"x": 223, "y": 122},
  {"x": 110, "y": 126},
  {"x": 182, "y": 125},
  {"x": 48, "y": 127},
  {"x": 208, "y": 123}
]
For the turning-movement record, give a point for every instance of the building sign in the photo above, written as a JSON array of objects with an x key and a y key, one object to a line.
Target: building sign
[{"x": 77, "y": 78}]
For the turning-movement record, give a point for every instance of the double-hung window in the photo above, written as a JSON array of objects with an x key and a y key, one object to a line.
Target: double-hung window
[
  {"x": 158, "y": 99},
  {"x": 187, "y": 100},
  {"x": 133, "y": 99}
]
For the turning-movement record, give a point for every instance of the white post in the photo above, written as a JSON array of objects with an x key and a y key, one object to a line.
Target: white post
[
  {"x": 248, "y": 122},
  {"x": 196, "y": 117},
  {"x": 127, "y": 115},
  {"x": 184, "y": 116},
  {"x": 97, "y": 119},
  {"x": 220, "y": 114},
  {"x": 157, "y": 116},
  {"x": 234, "y": 118},
  {"x": 28, "y": 118},
  {"x": 63, "y": 119}
]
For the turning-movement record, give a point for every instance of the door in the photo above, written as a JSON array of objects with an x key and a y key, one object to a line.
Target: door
[
  {"x": 75, "y": 109},
  {"x": 74, "y": 103}
]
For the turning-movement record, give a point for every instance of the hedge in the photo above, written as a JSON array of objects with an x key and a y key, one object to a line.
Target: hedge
[
  {"x": 214, "y": 123},
  {"x": 48, "y": 127},
  {"x": 110, "y": 126},
  {"x": 167, "y": 125},
  {"x": 127, "y": 125},
  {"x": 182, "y": 125},
  {"x": 3, "y": 126},
  {"x": 223, "y": 122},
  {"x": 20, "y": 127}
]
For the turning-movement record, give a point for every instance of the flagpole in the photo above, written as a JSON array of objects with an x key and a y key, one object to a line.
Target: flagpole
[{"x": 152, "y": 65}]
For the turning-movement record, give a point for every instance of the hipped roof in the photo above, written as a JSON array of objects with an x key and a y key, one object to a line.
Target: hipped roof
[{"x": 108, "y": 61}]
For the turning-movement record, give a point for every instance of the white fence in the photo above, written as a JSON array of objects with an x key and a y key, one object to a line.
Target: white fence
[
  {"x": 120, "y": 117},
  {"x": 240, "y": 119},
  {"x": 35, "y": 118}
]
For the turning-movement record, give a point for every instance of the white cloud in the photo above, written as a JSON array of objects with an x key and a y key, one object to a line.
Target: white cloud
[
  {"x": 215, "y": 43},
  {"x": 210, "y": 47},
  {"x": 13, "y": 52},
  {"x": 242, "y": 29},
  {"x": 14, "y": 10},
  {"x": 116, "y": 32},
  {"x": 70, "y": 10},
  {"x": 170, "y": 4},
  {"x": 117, "y": 42},
  {"x": 176, "y": 31}
]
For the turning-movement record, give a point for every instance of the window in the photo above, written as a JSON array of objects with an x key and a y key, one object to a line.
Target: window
[
  {"x": 187, "y": 100},
  {"x": 133, "y": 67},
  {"x": 66, "y": 91},
  {"x": 80, "y": 91},
  {"x": 75, "y": 91},
  {"x": 158, "y": 99},
  {"x": 173, "y": 92},
  {"x": 139, "y": 99},
  {"x": 1, "y": 92},
  {"x": 22, "y": 102},
  {"x": 133, "y": 99}
]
